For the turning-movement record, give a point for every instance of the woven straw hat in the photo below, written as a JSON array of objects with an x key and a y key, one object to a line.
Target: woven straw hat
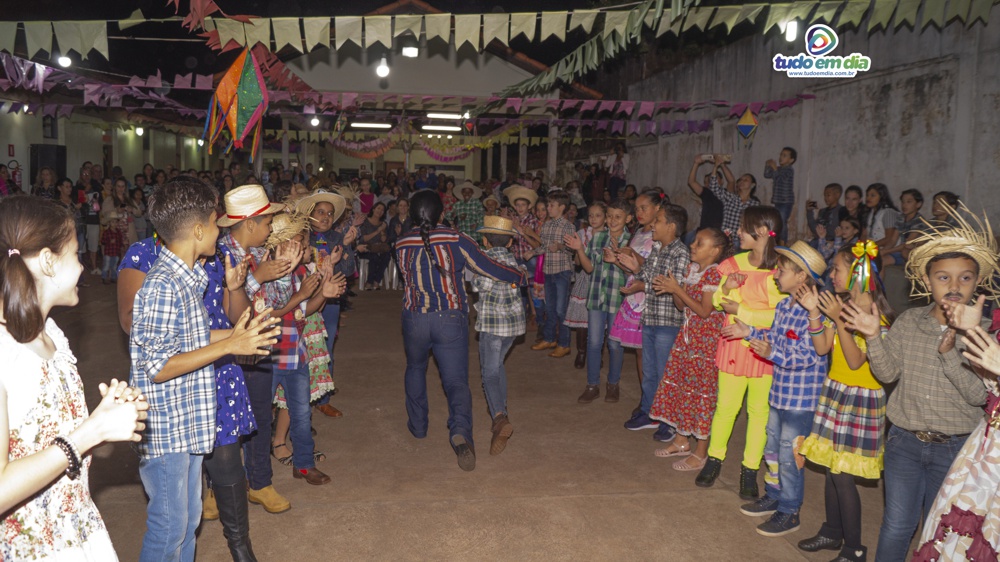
[
  {"x": 515, "y": 192},
  {"x": 286, "y": 226},
  {"x": 493, "y": 198},
  {"x": 476, "y": 192},
  {"x": 497, "y": 225},
  {"x": 306, "y": 205},
  {"x": 806, "y": 257},
  {"x": 245, "y": 202}
]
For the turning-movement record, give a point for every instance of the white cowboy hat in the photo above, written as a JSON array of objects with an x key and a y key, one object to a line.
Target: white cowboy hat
[
  {"x": 308, "y": 203},
  {"x": 476, "y": 192},
  {"x": 247, "y": 201}
]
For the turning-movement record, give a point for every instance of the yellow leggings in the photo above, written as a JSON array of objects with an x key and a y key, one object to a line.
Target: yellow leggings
[{"x": 732, "y": 388}]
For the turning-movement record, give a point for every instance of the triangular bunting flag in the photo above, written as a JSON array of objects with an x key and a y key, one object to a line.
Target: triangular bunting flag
[
  {"x": 615, "y": 21},
  {"x": 230, "y": 30},
  {"x": 438, "y": 26},
  {"x": 95, "y": 33},
  {"x": 933, "y": 13},
  {"x": 378, "y": 30},
  {"x": 347, "y": 28},
  {"x": 853, "y": 13},
  {"x": 495, "y": 26},
  {"x": 39, "y": 37},
  {"x": 906, "y": 13},
  {"x": 553, "y": 23},
  {"x": 523, "y": 23},
  {"x": 8, "y": 32},
  {"x": 957, "y": 9},
  {"x": 317, "y": 32},
  {"x": 287, "y": 32},
  {"x": 407, "y": 24},
  {"x": 826, "y": 11},
  {"x": 69, "y": 37},
  {"x": 882, "y": 14},
  {"x": 467, "y": 30},
  {"x": 258, "y": 31},
  {"x": 584, "y": 19},
  {"x": 800, "y": 11},
  {"x": 135, "y": 19},
  {"x": 776, "y": 14},
  {"x": 699, "y": 18},
  {"x": 980, "y": 10},
  {"x": 728, "y": 16}
]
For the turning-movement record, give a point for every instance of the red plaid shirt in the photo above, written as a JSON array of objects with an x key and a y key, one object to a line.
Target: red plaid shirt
[
  {"x": 290, "y": 351},
  {"x": 113, "y": 242},
  {"x": 521, "y": 246}
]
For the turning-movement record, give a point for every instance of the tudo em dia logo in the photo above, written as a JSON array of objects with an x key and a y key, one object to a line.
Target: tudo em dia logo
[{"x": 817, "y": 62}]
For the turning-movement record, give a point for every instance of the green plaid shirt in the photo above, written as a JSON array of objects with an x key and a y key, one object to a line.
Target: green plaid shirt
[
  {"x": 468, "y": 216},
  {"x": 499, "y": 310},
  {"x": 606, "y": 279}
]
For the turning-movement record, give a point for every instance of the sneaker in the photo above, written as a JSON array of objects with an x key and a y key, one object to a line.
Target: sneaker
[
  {"x": 270, "y": 499},
  {"x": 779, "y": 524},
  {"x": 502, "y": 430},
  {"x": 589, "y": 394},
  {"x": 612, "y": 393},
  {"x": 95, "y": 271},
  {"x": 748, "y": 484},
  {"x": 543, "y": 345},
  {"x": 709, "y": 473},
  {"x": 640, "y": 420},
  {"x": 761, "y": 508},
  {"x": 665, "y": 434}
]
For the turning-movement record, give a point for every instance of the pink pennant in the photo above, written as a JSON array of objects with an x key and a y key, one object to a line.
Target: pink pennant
[
  {"x": 553, "y": 104},
  {"x": 737, "y": 110},
  {"x": 756, "y": 106},
  {"x": 646, "y": 109},
  {"x": 633, "y": 127},
  {"x": 136, "y": 81},
  {"x": 65, "y": 110},
  {"x": 626, "y": 108},
  {"x": 606, "y": 106},
  {"x": 347, "y": 99},
  {"x": 588, "y": 105},
  {"x": 183, "y": 81},
  {"x": 515, "y": 104},
  {"x": 468, "y": 99},
  {"x": 203, "y": 82},
  {"x": 309, "y": 109},
  {"x": 790, "y": 102},
  {"x": 660, "y": 106},
  {"x": 155, "y": 81},
  {"x": 773, "y": 105},
  {"x": 618, "y": 127}
]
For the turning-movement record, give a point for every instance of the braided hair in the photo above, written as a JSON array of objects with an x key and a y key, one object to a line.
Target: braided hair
[{"x": 425, "y": 212}]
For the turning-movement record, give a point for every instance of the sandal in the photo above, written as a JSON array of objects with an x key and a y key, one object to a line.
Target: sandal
[
  {"x": 287, "y": 461},
  {"x": 318, "y": 456},
  {"x": 673, "y": 451},
  {"x": 683, "y": 466}
]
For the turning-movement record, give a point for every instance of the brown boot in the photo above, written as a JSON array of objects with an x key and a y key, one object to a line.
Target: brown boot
[
  {"x": 589, "y": 394},
  {"x": 611, "y": 394},
  {"x": 313, "y": 475},
  {"x": 502, "y": 430},
  {"x": 559, "y": 352}
]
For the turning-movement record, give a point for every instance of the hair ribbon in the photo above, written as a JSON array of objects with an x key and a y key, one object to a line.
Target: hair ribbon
[
  {"x": 863, "y": 270},
  {"x": 13, "y": 251}
]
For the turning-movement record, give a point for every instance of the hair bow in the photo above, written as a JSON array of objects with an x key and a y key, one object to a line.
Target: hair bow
[{"x": 863, "y": 270}]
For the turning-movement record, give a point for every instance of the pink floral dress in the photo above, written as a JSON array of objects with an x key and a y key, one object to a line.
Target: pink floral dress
[{"x": 44, "y": 400}]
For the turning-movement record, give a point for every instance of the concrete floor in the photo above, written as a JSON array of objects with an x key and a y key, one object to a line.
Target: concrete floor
[{"x": 572, "y": 484}]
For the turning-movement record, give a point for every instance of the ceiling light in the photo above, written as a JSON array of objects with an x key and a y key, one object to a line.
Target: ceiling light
[
  {"x": 382, "y": 70},
  {"x": 411, "y": 52},
  {"x": 449, "y": 136},
  {"x": 139, "y": 131},
  {"x": 791, "y": 30},
  {"x": 64, "y": 61},
  {"x": 465, "y": 115},
  {"x": 314, "y": 121},
  {"x": 357, "y": 125},
  {"x": 321, "y": 168},
  {"x": 444, "y": 115},
  {"x": 201, "y": 142},
  {"x": 445, "y": 128}
]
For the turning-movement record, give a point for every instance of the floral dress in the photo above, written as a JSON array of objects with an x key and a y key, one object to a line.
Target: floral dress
[
  {"x": 687, "y": 393},
  {"x": 44, "y": 400}
]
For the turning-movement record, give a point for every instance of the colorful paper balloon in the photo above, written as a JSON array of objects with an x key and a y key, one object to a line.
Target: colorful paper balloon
[{"x": 239, "y": 103}]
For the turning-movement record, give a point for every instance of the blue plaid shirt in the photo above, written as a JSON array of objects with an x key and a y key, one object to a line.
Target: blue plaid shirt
[
  {"x": 798, "y": 371},
  {"x": 784, "y": 183},
  {"x": 169, "y": 318}
]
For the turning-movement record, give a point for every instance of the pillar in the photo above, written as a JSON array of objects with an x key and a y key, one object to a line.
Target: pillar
[
  {"x": 503, "y": 161},
  {"x": 522, "y": 151},
  {"x": 552, "y": 163}
]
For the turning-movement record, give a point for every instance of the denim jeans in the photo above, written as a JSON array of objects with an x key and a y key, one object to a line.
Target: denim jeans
[
  {"x": 914, "y": 471},
  {"x": 331, "y": 319},
  {"x": 110, "y": 269},
  {"x": 173, "y": 484},
  {"x": 785, "y": 210},
  {"x": 657, "y": 341},
  {"x": 598, "y": 325},
  {"x": 446, "y": 335},
  {"x": 257, "y": 445},
  {"x": 296, "y": 385},
  {"x": 492, "y": 351},
  {"x": 784, "y": 480},
  {"x": 556, "y": 300}
]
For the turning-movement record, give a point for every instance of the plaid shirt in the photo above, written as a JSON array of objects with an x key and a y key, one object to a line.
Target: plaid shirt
[
  {"x": 659, "y": 309},
  {"x": 607, "y": 279},
  {"x": 936, "y": 392},
  {"x": 784, "y": 183},
  {"x": 290, "y": 351},
  {"x": 277, "y": 292},
  {"x": 169, "y": 318},
  {"x": 732, "y": 209},
  {"x": 468, "y": 216},
  {"x": 522, "y": 248},
  {"x": 553, "y": 232},
  {"x": 113, "y": 242},
  {"x": 499, "y": 310},
  {"x": 798, "y": 371}
]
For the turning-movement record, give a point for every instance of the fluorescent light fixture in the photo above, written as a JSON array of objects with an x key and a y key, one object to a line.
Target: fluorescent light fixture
[
  {"x": 314, "y": 121},
  {"x": 139, "y": 131},
  {"x": 357, "y": 125},
  {"x": 411, "y": 52},
  {"x": 201, "y": 142},
  {"x": 445, "y": 128},
  {"x": 791, "y": 30},
  {"x": 444, "y": 115},
  {"x": 382, "y": 70},
  {"x": 64, "y": 61}
]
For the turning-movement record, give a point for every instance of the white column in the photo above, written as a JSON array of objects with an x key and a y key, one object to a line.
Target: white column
[
  {"x": 284, "y": 143},
  {"x": 522, "y": 151},
  {"x": 552, "y": 163}
]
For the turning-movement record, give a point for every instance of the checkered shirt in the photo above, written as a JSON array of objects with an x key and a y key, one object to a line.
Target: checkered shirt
[
  {"x": 607, "y": 279},
  {"x": 169, "y": 318},
  {"x": 277, "y": 292},
  {"x": 290, "y": 351},
  {"x": 499, "y": 310},
  {"x": 553, "y": 232},
  {"x": 936, "y": 391},
  {"x": 732, "y": 208},
  {"x": 468, "y": 216},
  {"x": 522, "y": 248},
  {"x": 784, "y": 183},
  {"x": 798, "y": 371},
  {"x": 673, "y": 258},
  {"x": 113, "y": 242}
]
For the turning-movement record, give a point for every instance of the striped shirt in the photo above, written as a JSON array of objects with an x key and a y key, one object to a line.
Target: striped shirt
[
  {"x": 169, "y": 318},
  {"x": 426, "y": 289},
  {"x": 607, "y": 279},
  {"x": 798, "y": 371}
]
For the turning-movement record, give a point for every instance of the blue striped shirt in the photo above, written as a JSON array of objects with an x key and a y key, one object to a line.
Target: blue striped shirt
[
  {"x": 798, "y": 371},
  {"x": 426, "y": 289}
]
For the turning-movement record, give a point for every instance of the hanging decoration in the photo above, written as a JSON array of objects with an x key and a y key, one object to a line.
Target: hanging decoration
[
  {"x": 864, "y": 271},
  {"x": 239, "y": 103},
  {"x": 747, "y": 127},
  {"x": 339, "y": 125}
]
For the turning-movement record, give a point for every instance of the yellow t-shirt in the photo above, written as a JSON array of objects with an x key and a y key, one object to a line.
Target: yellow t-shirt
[{"x": 841, "y": 372}]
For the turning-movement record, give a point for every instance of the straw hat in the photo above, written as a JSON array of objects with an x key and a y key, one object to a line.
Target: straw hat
[
  {"x": 476, "y": 192},
  {"x": 515, "y": 192},
  {"x": 493, "y": 198},
  {"x": 497, "y": 225},
  {"x": 308, "y": 203},
  {"x": 286, "y": 226},
  {"x": 345, "y": 191},
  {"x": 247, "y": 201},
  {"x": 806, "y": 257}
]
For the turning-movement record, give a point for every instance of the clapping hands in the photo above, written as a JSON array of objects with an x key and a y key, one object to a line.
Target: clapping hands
[
  {"x": 982, "y": 350},
  {"x": 663, "y": 284}
]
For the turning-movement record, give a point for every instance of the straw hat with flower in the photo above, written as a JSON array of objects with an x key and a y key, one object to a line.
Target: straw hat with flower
[
  {"x": 805, "y": 257},
  {"x": 247, "y": 201},
  {"x": 972, "y": 237},
  {"x": 286, "y": 226}
]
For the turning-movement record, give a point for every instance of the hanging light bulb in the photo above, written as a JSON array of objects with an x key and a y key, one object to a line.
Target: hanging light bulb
[
  {"x": 314, "y": 121},
  {"x": 64, "y": 61},
  {"x": 139, "y": 131},
  {"x": 201, "y": 142},
  {"x": 382, "y": 70},
  {"x": 791, "y": 31}
]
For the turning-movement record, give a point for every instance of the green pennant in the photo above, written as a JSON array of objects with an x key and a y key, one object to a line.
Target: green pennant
[
  {"x": 728, "y": 16},
  {"x": 826, "y": 11},
  {"x": 881, "y": 14},
  {"x": 957, "y": 9},
  {"x": 800, "y": 11},
  {"x": 933, "y": 13},
  {"x": 776, "y": 14},
  {"x": 699, "y": 18},
  {"x": 853, "y": 13},
  {"x": 906, "y": 13},
  {"x": 980, "y": 10}
]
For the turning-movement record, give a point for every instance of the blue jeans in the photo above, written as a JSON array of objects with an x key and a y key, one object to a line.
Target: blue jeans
[
  {"x": 598, "y": 325},
  {"x": 492, "y": 351},
  {"x": 110, "y": 269},
  {"x": 331, "y": 319},
  {"x": 556, "y": 300},
  {"x": 257, "y": 445},
  {"x": 173, "y": 484},
  {"x": 784, "y": 479},
  {"x": 785, "y": 210},
  {"x": 914, "y": 471},
  {"x": 657, "y": 341},
  {"x": 296, "y": 385},
  {"x": 446, "y": 335}
]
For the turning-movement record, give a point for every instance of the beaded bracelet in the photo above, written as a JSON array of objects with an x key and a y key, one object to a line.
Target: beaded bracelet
[
  {"x": 69, "y": 449},
  {"x": 816, "y": 332}
]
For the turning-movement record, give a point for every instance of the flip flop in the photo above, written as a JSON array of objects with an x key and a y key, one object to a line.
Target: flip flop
[
  {"x": 683, "y": 466},
  {"x": 676, "y": 452}
]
